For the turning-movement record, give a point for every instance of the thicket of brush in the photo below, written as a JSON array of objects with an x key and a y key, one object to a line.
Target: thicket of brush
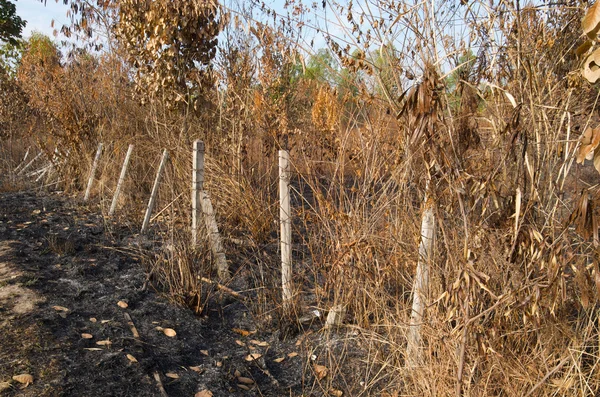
[{"x": 479, "y": 105}]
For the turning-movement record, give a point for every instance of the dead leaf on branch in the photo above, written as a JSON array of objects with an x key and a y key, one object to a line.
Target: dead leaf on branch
[
  {"x": 589, "y": 142},
  {"x": 591, "y": 21},
  {"x": 591, "y": 66}
]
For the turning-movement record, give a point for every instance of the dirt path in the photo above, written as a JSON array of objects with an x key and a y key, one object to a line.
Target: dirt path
[{"x": 62, "y": 277}]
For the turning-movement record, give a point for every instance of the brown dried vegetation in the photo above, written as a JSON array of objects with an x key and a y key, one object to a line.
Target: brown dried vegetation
[{"x": 512, "y": 307}]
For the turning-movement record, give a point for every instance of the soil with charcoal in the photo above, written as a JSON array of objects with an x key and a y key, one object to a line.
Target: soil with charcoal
[{"x": 62, "y": 275}]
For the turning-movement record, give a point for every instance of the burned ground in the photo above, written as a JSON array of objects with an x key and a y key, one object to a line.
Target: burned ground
[{"x": 62, "y": 276}]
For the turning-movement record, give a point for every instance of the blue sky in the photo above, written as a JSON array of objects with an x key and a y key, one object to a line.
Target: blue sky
[{"x": 39, "y": 17}]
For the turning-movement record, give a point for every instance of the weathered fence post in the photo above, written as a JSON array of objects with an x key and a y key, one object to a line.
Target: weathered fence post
[
  {"x": 197, "y": 186},
  {"x": 201, "y": 200},
  {"x": 93, "y": 173},
  {"x": 154, "y": 193},
  {"x": 421, "y": 283},
  {"x": 113, "y": 206},
  {"x": 214, "y": 237},
  {"x": 285, "y": 227}
]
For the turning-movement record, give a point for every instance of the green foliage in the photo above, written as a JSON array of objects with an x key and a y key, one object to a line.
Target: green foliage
[
  {"x": 464, "y": 69},
  {"x": 11, "y": 25},
  {"x": 10, "y": 56}
]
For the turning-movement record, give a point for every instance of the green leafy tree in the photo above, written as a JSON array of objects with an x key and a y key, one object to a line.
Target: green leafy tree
[
  {"x": 464, "y": 68},
  {"x": 11, "y": 25}
]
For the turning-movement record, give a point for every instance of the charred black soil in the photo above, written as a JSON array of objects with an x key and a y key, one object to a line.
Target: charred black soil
[{"x": 61, "y": 279}]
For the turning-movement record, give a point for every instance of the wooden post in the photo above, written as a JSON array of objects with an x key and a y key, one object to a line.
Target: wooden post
[
  {"x": 113, "y": 206},
  {"x": 197, "y": 186},
  {"x": 93, "y": 173},
  {"x": 285, "y": 227},
  {"x": 152, "y": 200},
  {"x": 421, "y": 283},
  {"x": 214, "y": 237}
]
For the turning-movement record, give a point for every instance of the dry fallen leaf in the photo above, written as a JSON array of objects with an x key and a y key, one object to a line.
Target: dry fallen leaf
[
  {"x": 243, "y": 387},
  {"x": 278, "y": 360},
  {"x": 205, "y": 352},
  {"x": 25, "y": 379},
  {"x": 237, "y": 373},
  {"x": 244, "y": 380},
  {"x": 60, "y": 308},
  {"x": 122, "y": 304},
  {"x": 204, "y": 393},
  {"x": 93, "y": 319},
  {"x": 239, "y": 342},
  {"x": 87, "y": 336},
  {"x": 242, "y": 332},
  {"x": 292, "y": 354},
  {"x": 197, "y": 369},
  {"x": 253, "y": 356},
  {"x": 105, "y": 342},
  {"x": 321, "y": 371},
  {"x": 159, "y": 328},
  {"x": 336, "y": 393},
  {"x": 4, "y": 386},
  {"x": 131, "y": 358},
  {"x": 219, "y": 364},
  {"x": 259, "y": 343},
  {"x": 170, "y": 332},
  {"x": 172, "y": 375},
  {"x": 92, "y": 349},
  {"x": 105, "y": 321}
]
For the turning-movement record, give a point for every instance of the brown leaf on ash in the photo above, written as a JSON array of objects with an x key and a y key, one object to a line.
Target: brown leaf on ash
[
  {"x": 25, "y": 379},
  {"x": 172, "y": 375},
  {"x": 131, "y": 358},
  {"x": 204, "y": 393},
  {"x": 122, "y": 304},
  {"x": 321, "y": 371},
  {"x": 169, "y": 332},
  {"x": 243, "y": 332},
  {"x": 253, "y": 356},
  {"x": 60, "y": 309},
  {"x": 87, "y": 336},
  {"x": 259, "y": 343}
]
